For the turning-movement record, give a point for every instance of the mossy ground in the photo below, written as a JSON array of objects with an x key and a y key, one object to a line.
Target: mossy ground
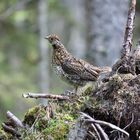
[
  {"x": 118, "y": 95},
  {"x": 51, "y": 122}
]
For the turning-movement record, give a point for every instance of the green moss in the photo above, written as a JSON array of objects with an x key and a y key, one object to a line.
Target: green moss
[
  {"x": 36, "y": 116},
  {"x": 57, "y": 129},
  {"x": 68, "y": 117},
  {"x": 115, "y": 82},
  {"x": 40, "y": 125},
  {"x": 89, "y": 87},
  {"x": 30, "y": 115},
  {"x": 4, "y": 135}
]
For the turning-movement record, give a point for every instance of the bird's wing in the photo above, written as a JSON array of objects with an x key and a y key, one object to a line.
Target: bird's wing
[{"x": 81, "y": 68}]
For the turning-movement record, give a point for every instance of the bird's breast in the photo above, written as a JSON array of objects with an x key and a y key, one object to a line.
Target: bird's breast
[
  {"x": 71, "y": 79},
  {"x": 59, "y": 56},
  {"x": 58, "y": 70}
]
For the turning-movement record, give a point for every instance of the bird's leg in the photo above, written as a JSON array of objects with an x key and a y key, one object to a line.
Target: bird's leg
[
  {"x": 76, "y": 89},
  {"x": 68, "y": 92}
]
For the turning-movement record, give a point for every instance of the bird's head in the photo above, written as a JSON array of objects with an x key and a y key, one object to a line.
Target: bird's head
[{"x": 53, "y": 40}]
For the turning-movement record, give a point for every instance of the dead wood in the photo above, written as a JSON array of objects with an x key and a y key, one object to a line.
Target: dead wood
[
  {"x": 14, "y": 120},
  {"x": 92, "y": 120},
  {"x": 126, "y": 63},
  {"x": 129, "y": 30},
  {"x": 10, "y": 130},
  {"x": 47, "y": 96}
]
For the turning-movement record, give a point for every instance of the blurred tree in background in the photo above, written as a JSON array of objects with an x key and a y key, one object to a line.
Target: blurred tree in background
[
  {"x": 25, "y": 55},
  {"x": 105, "y": 29},
  {"x": 43, "y": 64}
]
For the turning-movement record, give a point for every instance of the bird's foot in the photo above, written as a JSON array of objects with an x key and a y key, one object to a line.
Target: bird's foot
[{"x": 68, "y": 93}]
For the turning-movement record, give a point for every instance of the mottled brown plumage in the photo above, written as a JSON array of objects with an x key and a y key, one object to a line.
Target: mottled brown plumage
[{"x": 73, "y": 70}]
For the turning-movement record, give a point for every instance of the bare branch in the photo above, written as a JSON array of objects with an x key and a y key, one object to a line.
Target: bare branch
[
  {"x": 93, "y": 135},
  {"x": 96, "y": 131},
  {"x": 14, "y": 119},
  {"x": 99, "y": 128},
  {"x": 102, "y": 132},
  {"x": 109, "y": 125},
  {"x": 10, "y": 130},
  {"x": 130, "y": 122},
  {"x": 104, "y": 123},
  {"x": 47, "y": 96},
  {"x": 129, "y": 30}
]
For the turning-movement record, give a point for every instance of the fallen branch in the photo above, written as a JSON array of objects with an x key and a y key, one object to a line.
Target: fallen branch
[
  {"x": 47, "y": 96},
  {"x": 93, "y": 135},
  {"x": 91, "y": 120},
  {"x": 10, "y": 130},
  {"x": 96, "y": 131},
  {"x": 101, "y": 131},
  {"x": 14, "y": 119},
  {"x": 130, "y": 122},
  {"x": 129, "y": 30}
]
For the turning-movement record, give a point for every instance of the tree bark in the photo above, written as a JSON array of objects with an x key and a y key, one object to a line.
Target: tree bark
[{"x": 105, "y": 29}]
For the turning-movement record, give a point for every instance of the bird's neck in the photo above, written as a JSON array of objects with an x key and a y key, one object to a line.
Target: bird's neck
[
  {"x": 57, "y": 45},
  {"x": 59, "y": 54}
]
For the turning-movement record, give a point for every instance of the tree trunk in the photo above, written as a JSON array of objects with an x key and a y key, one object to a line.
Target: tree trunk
[
  {"x": 42, "y": 46},
  {"x": 105, "y": 28},
  {"x": 76, "y": 41}
]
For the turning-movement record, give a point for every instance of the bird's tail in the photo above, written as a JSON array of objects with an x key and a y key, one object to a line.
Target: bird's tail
[{"x": 105, "y": 69}]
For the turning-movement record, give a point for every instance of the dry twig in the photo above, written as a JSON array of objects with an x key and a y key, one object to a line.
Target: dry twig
[
  {"x": 10, "y": 130},
  {"x": 129, "y": 30},
  {"x": 90, "y": 119},
  {"x": 126, "y": 63},
  {"x": 96, "y": 131},
  {"x": 47, "y": 96},
  {"x": 101, "y": 131},
  {"x": 14, "y": 119},
  {"x": 130, "y": 122}
]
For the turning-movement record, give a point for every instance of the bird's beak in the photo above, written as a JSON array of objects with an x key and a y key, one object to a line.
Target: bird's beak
[{"x": 47, "y": 37}]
